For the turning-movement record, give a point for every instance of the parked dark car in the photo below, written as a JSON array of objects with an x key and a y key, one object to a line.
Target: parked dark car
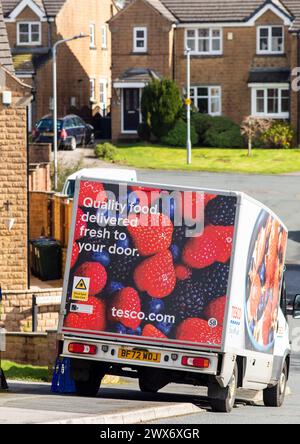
[{"x": 72, "y": 132}]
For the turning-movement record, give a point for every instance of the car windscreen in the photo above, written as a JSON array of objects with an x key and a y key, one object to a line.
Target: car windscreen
[
  {"x": 70, "y": 188},
  {"x": 47, "y": 125}
]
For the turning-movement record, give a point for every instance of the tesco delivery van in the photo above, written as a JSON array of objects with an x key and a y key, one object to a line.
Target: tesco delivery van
[{"x": 175, "y": 285}]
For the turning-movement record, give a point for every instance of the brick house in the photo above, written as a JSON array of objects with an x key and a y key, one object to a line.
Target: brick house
[
  {"x": 84, "y": 66},
  {"x": 243, "y": 53},
  {"x": 14, "y": 98}
]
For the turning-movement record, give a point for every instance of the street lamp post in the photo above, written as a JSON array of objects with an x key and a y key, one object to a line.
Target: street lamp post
[
  {"x": 188, "y": 107},
  {"x": 55, "y": 141}
]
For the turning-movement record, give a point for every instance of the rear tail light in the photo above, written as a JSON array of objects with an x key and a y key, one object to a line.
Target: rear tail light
[
  {"x": 34, "y": 132},
  {"x": 195, "y": 362},
  {"x": 63, "y": 134},
  {"x": 82, "y": 349}
]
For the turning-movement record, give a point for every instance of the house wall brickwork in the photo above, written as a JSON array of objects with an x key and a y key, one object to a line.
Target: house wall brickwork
[{"x": 13, "y": 188}]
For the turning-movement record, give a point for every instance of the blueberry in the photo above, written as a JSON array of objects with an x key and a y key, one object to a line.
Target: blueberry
[
  {"x": 261, "y": 309},
  {"x": 137, "y": 332},
  {"x": 169, "y": 211},
  {"x": 113, "y": 287},
  {"x": 132, "y": 199},
  {"x": 123, "y": 243},
  {"x": 165, "y": 327},
  {"x": 119, "y": 328},
  {"x": 271, "y": 336},
  {"x": 252, "y": 327},
  {"x": 156, "y": 306},
  {"x": 175, "y": 250},
  {"x": 103, "y": 258}
]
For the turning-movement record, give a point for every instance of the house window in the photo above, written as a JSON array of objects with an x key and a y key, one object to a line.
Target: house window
[
  {"x": 92, "y": 90},
  {"x": 102, "y": 94},
  {"x": 92, "y": 36},
  {"x": 104, "y": 36},
  {"x": 207, "y": 99},
  {"x": 271, "y": 101},
  {"x": 29, "y": 33},
  {"x": 270, "y": 40},
  {"x": 204, "y": 41},
  {"x": 140, "y": 39}
]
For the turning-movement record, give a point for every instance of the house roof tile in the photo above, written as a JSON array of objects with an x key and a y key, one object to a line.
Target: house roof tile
[
  {"x": 5, "y": 54},
  {"x": 50, "y": 7}
]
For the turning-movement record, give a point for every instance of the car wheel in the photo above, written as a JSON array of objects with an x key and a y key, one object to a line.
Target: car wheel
[
  {"x": 224, "y": 398},
  {"x": 274, "y": 396},
  {"x": 92, "y": 139},
  {"x": 73, "y": 144}
]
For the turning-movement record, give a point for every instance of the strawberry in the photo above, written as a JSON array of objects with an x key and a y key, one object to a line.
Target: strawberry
[
  {"x": 145, "y": 195},
  {"x": 75, "y": 253},
  {"x": 95, "y": 321},
  {"x": 152, "y": 332},
  {"x": 153, "y": 238},
  {"x": 202, "y": 251},
  {"x": 79, "y": 223},
  {"x": 125, "y": 302},
  {"x": 93, "y": 190},
  {"x": 224, "y": 238},
  {"x": 97, "y": 274},
  {"x": 216, "y": 310},
  {"x": 156, "y": 275},
  {"x": 182, "y": 272},
  {"x": 198, "y": 330}
]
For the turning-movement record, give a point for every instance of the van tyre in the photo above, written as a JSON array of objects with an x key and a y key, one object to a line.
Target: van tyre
[
  {"x": 274, "y": 396},
  {"x": 146, "y": 387},
  {"x": 89, "y": 388},
  {"x": 223, "y": 400}
]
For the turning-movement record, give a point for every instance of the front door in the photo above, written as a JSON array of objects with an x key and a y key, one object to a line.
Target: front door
[{"x": 131, "y": 109}]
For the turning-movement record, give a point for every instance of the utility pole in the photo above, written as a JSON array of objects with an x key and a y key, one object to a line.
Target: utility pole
[
  {"x": 55, "y": 141},
  {"x": 188, "y": 107}
]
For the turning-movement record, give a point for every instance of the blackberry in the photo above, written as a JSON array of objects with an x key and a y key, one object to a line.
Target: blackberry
[
  {"x": 121, "y": 268},
  {"x": 214, "y": 278},
  {"x": 189, "y": 300},
  {"x": 179, "y": 236},
  {"x": 221, "y": 210}
]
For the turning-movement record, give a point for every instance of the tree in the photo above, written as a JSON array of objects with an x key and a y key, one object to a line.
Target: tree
[
  {"x": 253, "y": 127},
  {"x": 161, "y": 104}
]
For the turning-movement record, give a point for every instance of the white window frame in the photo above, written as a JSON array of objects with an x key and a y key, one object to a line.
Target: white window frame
[
  {"x": 211, "y": 51},
  {"x": 92, "y": 28},
  {"x": 266, "y": 86},
  {"x": 136, "y": 38},
  {"x": 269, "y": 50},
  {"x": 92, "y": 89},
  {"x": 209, "y": 96},
  {"x": 104, "y": 33},
  {"x": 103, "y": 104},
  {"x": 30, "y": 42}
]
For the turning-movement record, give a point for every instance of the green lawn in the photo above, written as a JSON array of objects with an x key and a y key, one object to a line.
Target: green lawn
[
  {"x": 210, "y": 159},
  {"x": 22, "y": 372}
]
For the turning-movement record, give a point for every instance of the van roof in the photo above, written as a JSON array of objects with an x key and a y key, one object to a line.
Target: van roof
[{"x": 105, "y": 173}]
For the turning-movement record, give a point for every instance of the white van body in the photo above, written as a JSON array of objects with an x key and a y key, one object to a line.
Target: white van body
[
  {"x": 98, "y": 173},
  {"x": 245, "y": 357}
]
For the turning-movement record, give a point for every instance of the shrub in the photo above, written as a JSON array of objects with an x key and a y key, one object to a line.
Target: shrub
[
  {"x": 178, "y": 134},
  {"x": 161, "y": 104},
  {"x": 201, "y": 123},
  {"x": 279, "y": 135},
  {"x": 144, "y": 132},
  {"x": 106, "y": 151},
  {"x": 230, "y": 138}
]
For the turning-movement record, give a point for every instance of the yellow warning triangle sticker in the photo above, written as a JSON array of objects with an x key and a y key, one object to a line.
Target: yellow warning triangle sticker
[{"x": 81, "y": 285}]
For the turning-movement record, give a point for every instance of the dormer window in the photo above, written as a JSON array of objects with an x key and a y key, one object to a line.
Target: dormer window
[
  {"x": 29, "y": 34},
  {"x": 270, "y": 40}
]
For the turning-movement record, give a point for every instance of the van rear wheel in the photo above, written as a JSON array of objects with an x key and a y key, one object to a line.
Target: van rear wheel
[
  {"x": 274, "y": 396},
  {"x": 223, "y": 399}
]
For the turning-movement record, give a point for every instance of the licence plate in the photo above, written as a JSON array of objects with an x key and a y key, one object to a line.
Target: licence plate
[
  {"x": 48, "y": 134},
  {"x": 138, "y": 355}
]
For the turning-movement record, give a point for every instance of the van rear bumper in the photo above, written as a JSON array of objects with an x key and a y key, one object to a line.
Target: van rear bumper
[{"x": 170, "y": 359}]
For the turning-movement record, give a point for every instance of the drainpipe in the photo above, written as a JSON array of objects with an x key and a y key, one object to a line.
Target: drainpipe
[{"x": 174, "y": 53}]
